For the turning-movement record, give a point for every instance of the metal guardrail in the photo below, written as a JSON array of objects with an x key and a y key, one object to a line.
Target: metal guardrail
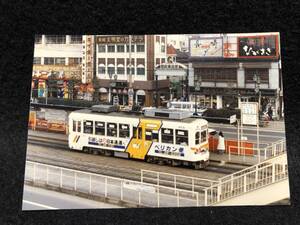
[
  {"x": 138, "y": 193},
  {"x": 249, "y": 179},
  {"x": 193, "y": 184},
  {"x": 258, "y": 154}
]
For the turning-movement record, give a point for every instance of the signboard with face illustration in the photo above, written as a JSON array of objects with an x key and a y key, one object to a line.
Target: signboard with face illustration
[
  {"x": 206, "y": 47},
  {"x": 258, "y": 47}
]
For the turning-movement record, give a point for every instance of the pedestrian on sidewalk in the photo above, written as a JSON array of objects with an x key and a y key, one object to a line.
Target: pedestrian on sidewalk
[
  {"x": 221, "y": 143},
  {"x": 270, "y": 113}
]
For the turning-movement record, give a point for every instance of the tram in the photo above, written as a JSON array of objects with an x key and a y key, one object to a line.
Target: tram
[{"x": 157, "y": 136}]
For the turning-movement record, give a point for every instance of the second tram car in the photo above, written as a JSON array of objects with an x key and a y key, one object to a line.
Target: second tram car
[{"x": 176, "y": 142}]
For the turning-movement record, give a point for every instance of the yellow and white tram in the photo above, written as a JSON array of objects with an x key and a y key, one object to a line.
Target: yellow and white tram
[{"x": 176, "y": 142}]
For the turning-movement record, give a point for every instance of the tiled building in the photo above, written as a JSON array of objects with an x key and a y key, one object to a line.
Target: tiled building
[{"x": 113, "y": 67}]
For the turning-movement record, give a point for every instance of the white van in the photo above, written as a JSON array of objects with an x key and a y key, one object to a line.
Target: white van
[{"x": 187, "y": 106}]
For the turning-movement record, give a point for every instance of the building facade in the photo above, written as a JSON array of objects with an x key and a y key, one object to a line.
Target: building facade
[
  {"x": 232, "y": 68},
  {"x": 56, "y": 65},
  {"x": 114, "y": 67}
]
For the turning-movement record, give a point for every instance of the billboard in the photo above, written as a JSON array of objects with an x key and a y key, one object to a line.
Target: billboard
[
  {"x": 206, "y": 47},
  {"x": 249, "y": 113},
  {"x": 258, "y": 46}
]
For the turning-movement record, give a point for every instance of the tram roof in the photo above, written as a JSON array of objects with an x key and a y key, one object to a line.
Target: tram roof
[{"x": 134, "y": 115}]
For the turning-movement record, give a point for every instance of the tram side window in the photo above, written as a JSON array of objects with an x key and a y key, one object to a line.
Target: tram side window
[
  {"x": 148, "y": 135},
  {"x": 197, "y": 138},
  {"x": 74, "y": 125},
  {"x": 139, "y": 133},
  {"x": 99, "y": 128},
  {"x": 203, "y": 136},
  {"x": 167, "y": 136},
  {"x": 123, "y": 130},
  {"x": 79, "y": 126},
  {"x": 182, "y": 137},
  {"x": 112, "y": 129},
  {"x": 88, "y": 127},
  {"x": 155, "y": 135},
  {"x": 134, "y": 132}
]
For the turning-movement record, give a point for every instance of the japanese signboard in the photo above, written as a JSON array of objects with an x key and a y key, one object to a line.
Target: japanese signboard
[
  {"x": 206, "y": 47},
  {"x": 258, "y": 46},
  {"x": 249, "y": 113},
  {"x": 120, "y": 39}
]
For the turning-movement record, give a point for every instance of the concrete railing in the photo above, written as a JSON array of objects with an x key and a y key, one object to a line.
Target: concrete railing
[{"x": 249, "y": 179}]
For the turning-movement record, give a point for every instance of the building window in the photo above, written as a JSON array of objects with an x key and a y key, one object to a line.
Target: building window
[
  {"x": 140, "y": 71},
  {"x": 55, "y": 39},
  {"x": 182, "y": 137},
  {"x": 99, "y": 128},
  {"x": 140, "y": 48},
  {"x": 88, "y": 127},
  {"x": 59, "y": 61},
  {"x": 37, "y": 60},
  {"x": 120, "y": 70},
  {"x": 112, "y": 129},
  {"x": 110, "y": 69},
  {"x": 49, "y": 61},
  {"x": 128, "y": 70},
  {"x": 74, "y": 61},
  {"x": 101, "y": 69},
  {"x": 123, "y": 130},
  {"x": 110, "y": 48},
  {"x": 157, "y": 61},
  {"x": 216, "y": 74},
  {"x": 120, "y": 48},
  {"x": 167, "y": 136},
  {"x": 263, "y": 73},
  {"x": 127, "y": 48},
  {"x": 101, "y": 48},
  {"x": 163, "y": 60},
  {"x": 163, "y": 48},
  {"x": 75, "y": 39},
  {"x": 38, "y": 39}
]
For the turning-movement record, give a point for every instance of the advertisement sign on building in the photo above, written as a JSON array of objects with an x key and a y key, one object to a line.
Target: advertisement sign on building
[
  {"x": 230, "y": 47},
  {"x": 258, "y": 46},
  {"x": 206, "y": 47},
  {"x": 249, "y": 113},
  {"x": 41, "y": 88},
  {"x": 120, "y": 39}
]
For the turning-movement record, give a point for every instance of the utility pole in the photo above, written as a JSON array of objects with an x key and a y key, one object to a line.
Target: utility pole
[{"x": 130, "y": 89}]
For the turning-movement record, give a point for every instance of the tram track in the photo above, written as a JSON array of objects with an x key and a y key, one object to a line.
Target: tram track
[{"x": 55, "y": 152}]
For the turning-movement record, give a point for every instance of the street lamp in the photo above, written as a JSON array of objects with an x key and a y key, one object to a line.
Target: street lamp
[
  {"x": 197, "y": 89},
  {"x": 115, "y": 76},
  {"x": 256, "y": 79}
]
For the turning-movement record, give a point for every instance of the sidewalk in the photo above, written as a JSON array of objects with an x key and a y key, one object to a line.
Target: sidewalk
[{"x": 234, "y": 159}]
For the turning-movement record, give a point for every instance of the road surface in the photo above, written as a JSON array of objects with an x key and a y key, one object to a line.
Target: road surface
[{"x": 41, "y": 199}]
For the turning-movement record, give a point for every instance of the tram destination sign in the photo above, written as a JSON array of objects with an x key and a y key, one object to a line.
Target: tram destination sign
[{"x": 249, "y": 113}]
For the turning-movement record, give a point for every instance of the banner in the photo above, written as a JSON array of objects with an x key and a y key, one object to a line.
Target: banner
[
  {"x": 258, "y": 47},
  {"x": 41, "y": 88},
  {"x": 206, "y": 47}
]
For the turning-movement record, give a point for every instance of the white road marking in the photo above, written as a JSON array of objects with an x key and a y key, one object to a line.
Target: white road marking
[{"x": 39, "y": 205}]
